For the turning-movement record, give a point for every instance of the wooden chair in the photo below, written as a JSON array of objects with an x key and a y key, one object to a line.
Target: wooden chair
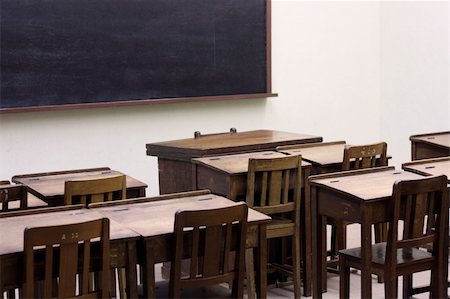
[
  {"x": 73, "y": 242},
  {"x": 94, "y": 190},
  {"x": 13, "y": 193},
  {"x": 269, "y": 191},
  {"x": 423, "y": 206},
  {"x": 213, "y": 239},
  {"x": 359, "y": 157}
]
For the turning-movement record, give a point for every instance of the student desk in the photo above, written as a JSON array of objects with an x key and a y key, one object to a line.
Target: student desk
[
  {"x": 122, "y": 246},
  {"x": 154, "y": 221},
  {"x": 32, "y": 201},
  {"x": 227, "y": 176},
  {"x": 174, "y": 157},
  {"x": 427, "y": 167},
  {"x": 358, "y": 196},
  {"x": 431, "y": 145},
  {"x": 49, "y": 186},
  {"x": 324, "y": 157}
]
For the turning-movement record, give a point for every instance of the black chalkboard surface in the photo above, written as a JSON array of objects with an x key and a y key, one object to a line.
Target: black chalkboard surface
[{"x": 66, "y": 52}]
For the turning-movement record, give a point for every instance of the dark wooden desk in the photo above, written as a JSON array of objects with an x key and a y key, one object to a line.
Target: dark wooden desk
[
  {"x": 357, "y": 196},
  {"x": 427, "y": 167},
  {"x": 174, "y": 157},
  {"x": 154, "y": 221},
  {"x": 49, "y": 186},
  {"x": 227, "y": 176},
  {"x": 122, "y": 248},
  {"x": 431, "y": 145}
]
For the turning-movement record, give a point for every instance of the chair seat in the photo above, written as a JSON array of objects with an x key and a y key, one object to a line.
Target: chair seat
[{"x": 406, "y": 255}]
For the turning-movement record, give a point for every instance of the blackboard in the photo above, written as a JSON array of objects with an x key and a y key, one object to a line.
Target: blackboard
[{"x": 77, "y": 52}]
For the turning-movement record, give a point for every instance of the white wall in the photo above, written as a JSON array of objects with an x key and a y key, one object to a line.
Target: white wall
[{"x": 335, "y": 67}]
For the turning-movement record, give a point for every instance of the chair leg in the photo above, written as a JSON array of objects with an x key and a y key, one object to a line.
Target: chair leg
[
  {"x": 344, "y": 278},
  {"x": 407, "y": 286},
  {"x": 380, "y": 236},
  {"x": 390, "y": 286},
  {"x": 296, "y": 265}
]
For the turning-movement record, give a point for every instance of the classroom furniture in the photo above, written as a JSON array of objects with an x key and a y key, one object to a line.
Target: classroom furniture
[
  {"x": 359, "y": 157},
  {"x": 432, "y": 145},
  {"x": 227, "y": 176},
  {"x": 122, "y": 242},
  {"x": 49, "y": 186},
  {"x": 69, "y": 238},
  {"x": 153, "y": 218},
  {"x": 174, "y": 157},
  {"x": 422, "y": 206},
  {"x": 16, "y": 197},
  {"x": 359, "y": 196},
  {"x": 269, "y": 192},
  {"x": 217, "y": 234},
  {"x": 92, "y": 54},
  {"x": 427, "y": 167},
  {"x": 94, "y": 190}
]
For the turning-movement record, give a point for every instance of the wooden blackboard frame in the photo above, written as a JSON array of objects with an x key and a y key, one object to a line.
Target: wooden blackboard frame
[{"x": 136, "y": 102}]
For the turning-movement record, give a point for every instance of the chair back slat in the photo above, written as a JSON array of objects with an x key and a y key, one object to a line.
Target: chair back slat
[
  {"x": 286, "y": 181},
  {"x": 215, "y": 233},
  {"x": 364, "y": 156},
  {"x": 94, "y": 190},
  {"x": 67, "y": 241}
]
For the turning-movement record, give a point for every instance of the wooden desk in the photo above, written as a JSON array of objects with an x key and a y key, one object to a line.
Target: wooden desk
[
  {"x": 154, "y": 221},
  {"x": 431, "y": 145},
  {"x": 227, "y": 176},
  {"x": 427, "y": 167},
  {"x": 50, "y": 186},
  {"x": 122, "y": 248},
  {"x": 174, "y": 157},
  {"x": 357, "y": 196},
  {"x": 32, "y": 201},
  {"x": 325, "y": 157}
]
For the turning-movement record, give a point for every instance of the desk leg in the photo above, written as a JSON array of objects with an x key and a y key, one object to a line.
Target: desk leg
[
  {"x": 149, "y": 271},
  {"x": 318, "y": 247},
  {"x": 307, "y": 240},
  {"x": 261, "y": 261},
  {"x": 131, "y": 271},
  {"x": 366, "y": 254}
]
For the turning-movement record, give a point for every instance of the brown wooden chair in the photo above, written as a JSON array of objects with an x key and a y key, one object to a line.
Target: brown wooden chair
[
  {"x": 215, "y": 234},
  {"x": 269, "y": 191},
  {"x": 69, "y": 247},
  {"x": 13, "y": 193},
  {"x": 94, "y": 190},
  {"x": 359, "y": 157},
  {"x": 422, "y": 204}
]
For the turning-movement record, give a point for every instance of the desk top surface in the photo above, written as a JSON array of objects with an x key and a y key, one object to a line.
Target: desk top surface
[
  {"x": 237, "y": 163},
  {"x": 12, "y": 228},
  {"x": 45, "y": 185},
  {"x": 436, "y": 166},
  {"x": 441, "y": 139},
  {"x": 322, "y": 154},
  {"x": 157, "y": 218},
  {"x": 228, "y": 142},
  {"x": 369, "y": 184}
]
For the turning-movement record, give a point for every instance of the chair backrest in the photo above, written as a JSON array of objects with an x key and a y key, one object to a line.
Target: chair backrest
[
  {"x": 215, "y": 234},
  {"x": 9, "y": 193},
  {"x": 364, "y": 156},
  {"x": 422, "y": 204},
  {"x": 269, "y": 187},
  {"x": 94, "y": 190},
  {"x": 69, "y": 247}
]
